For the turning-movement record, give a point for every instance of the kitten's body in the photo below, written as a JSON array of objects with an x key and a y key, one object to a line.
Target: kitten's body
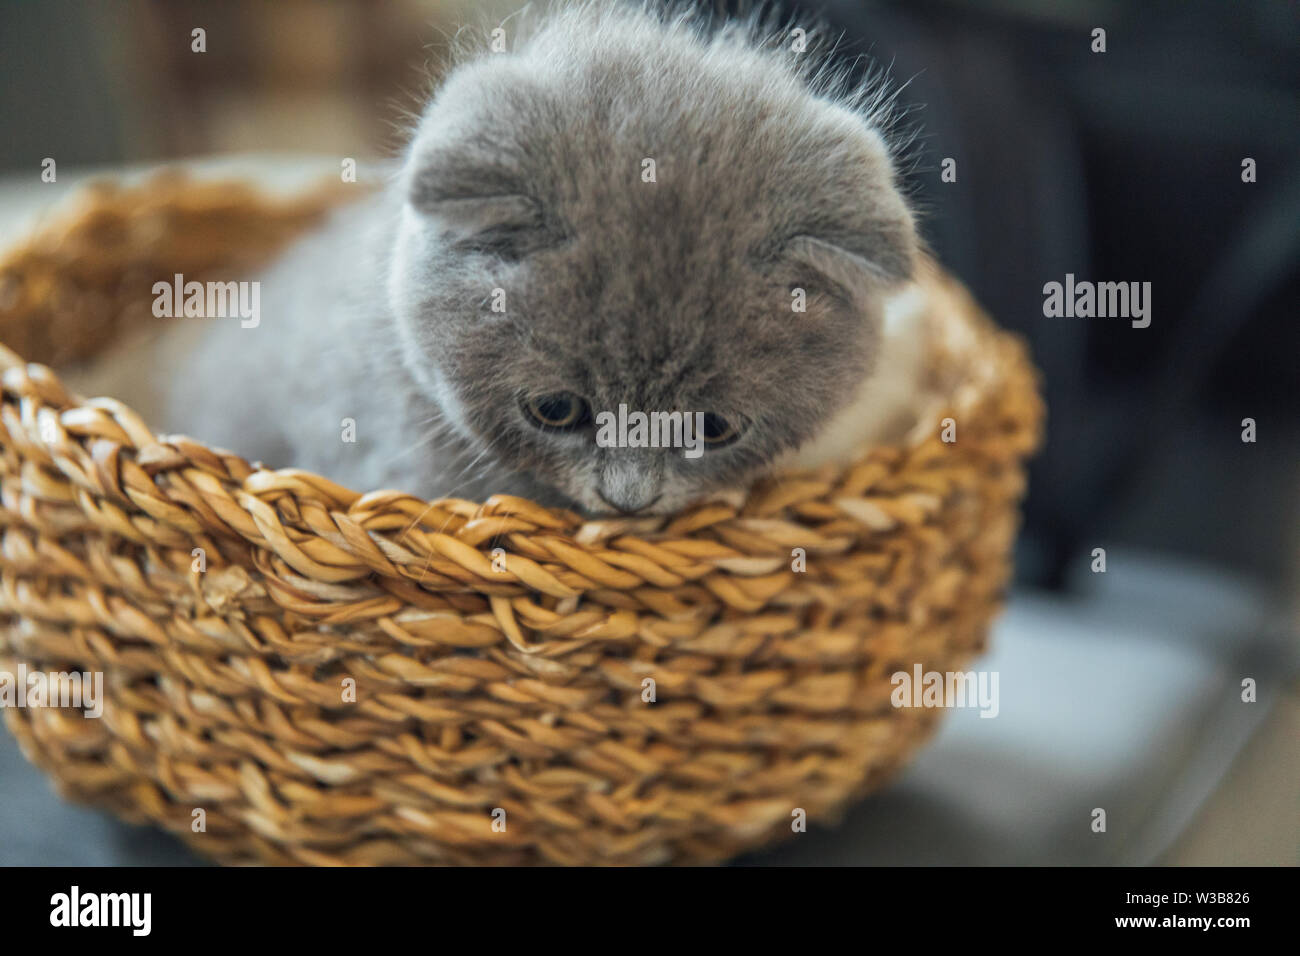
[
  {"x": 525, "y": 181},
  {"x": 322, "y": 366}
]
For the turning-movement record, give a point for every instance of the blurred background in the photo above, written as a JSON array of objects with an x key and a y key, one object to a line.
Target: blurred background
[{"x": 1117, "y": 166}]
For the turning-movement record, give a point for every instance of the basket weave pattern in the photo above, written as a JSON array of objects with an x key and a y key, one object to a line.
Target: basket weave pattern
[{"x": 484, "y": 679}]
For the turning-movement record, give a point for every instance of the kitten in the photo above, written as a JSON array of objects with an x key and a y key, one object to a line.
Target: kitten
[{"x": 618, "y": 211}]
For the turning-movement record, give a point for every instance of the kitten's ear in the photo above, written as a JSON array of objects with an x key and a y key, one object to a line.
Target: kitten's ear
[
  {"x": 849, "y": 269},
  {"x": 476, "y": 207},
  {"x": 861, "y": 222},
  {"x": 449, "y": 173},
  {"x": 506, "y": 227},
  {"x": 877, "y": 244},
  {"x": 471, "y": 215}
]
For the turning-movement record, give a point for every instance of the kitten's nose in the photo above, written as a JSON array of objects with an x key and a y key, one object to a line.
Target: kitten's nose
[
  {"x": 629, "y": 486},
  {"x": 628, "y": 508}
]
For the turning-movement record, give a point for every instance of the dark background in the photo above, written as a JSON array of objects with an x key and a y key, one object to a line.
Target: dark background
[{"x": 1125, "y": 166}]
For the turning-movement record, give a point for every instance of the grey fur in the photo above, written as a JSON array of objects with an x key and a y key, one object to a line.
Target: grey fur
[{"x": 525, "y": 175}]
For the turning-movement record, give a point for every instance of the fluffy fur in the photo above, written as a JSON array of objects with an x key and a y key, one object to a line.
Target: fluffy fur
[{"x": 523, "y": 184}]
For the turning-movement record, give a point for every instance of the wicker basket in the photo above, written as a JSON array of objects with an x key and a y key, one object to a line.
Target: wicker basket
[{"x": 484, "y": 681}]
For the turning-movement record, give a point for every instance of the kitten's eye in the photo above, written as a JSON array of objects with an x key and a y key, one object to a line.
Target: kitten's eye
[
  {"x": 718, "y": 432},
  {"x": 558, "y": 412}
]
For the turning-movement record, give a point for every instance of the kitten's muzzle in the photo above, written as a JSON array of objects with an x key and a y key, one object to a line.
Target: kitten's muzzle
[
  {"x": 630, "y": 480},
  {"x": 628, "y": 508}
]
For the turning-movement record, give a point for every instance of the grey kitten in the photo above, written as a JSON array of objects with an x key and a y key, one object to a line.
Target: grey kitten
[{"x": 527, "y": 269}]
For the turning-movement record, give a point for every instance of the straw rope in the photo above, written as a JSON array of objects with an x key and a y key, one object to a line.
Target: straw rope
[{"x": 497, "y": 651}]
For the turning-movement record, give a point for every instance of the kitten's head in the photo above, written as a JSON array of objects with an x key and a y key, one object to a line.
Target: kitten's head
[{"x": 623, "y": 211}]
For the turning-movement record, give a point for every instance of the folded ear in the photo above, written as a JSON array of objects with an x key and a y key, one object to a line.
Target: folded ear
[
  {"x": 507, "y": 227},
  {"x": 475, "y": 214},
  {"x": 473, "y": 197},
  {"x": 856, "y": 221},
  {"x": 457, "y": 167},
  {"x": 874, "y": 241},
  {"x": 476, "y": 207},
  {"x": 848, "y": 265}
]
